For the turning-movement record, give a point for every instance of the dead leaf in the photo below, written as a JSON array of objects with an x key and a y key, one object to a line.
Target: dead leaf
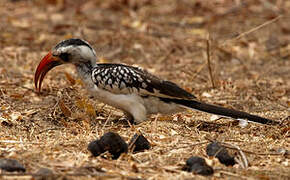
[
  {"x": 64, "y": 109},
  {"x": 20, "y": 24},
  {"x": 195, "y": 20},
  {"x": 80, "y": 103},
  {"x": 103, "y": 60},
  {"x": 17, "y": 96},
  {"x": 199, "y": 32},
  {"x": 70, "y": 78},
  {"x": 90, "y": 110}
]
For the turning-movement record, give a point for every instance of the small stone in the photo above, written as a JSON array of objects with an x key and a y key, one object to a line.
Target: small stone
[
  {"x": 111, "y": 142},
  {"x": 218, "y": 151},
  {"x": 198, "y": 165},
  {"x": 139, "y": 142},
  {"x": 11, "y": 165}
]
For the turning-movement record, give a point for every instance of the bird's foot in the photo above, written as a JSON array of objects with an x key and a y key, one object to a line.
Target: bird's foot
[{"x": 127, "y": 121}]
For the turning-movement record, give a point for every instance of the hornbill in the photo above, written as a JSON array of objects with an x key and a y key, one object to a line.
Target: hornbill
[{"x": 133, "y": 90}]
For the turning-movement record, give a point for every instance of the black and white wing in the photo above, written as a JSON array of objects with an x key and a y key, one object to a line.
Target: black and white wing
[{"x": 123, "y": 79}]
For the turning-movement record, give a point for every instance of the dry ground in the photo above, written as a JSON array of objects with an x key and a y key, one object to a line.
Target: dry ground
[{"x": 250, "y": 71}]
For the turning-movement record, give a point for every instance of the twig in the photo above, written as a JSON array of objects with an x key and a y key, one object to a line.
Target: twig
[
  {"x": 284, "y": 105},
  {"x": 18, "y": 142},
  {"x": 198, "y": 70},
  {"x": 238, "y": 176},
  {"x": 131, "y": 145},
  {"x": 171, "y": 170},
  {"x": 191, "y": 145},
  {"x": 70, "y": 174},
  {"x": 163, "y": 58},
  {"x": 246, "y": 151},
  {"x": 251, "y": 152},
  {"x": 50, "y": 129},
  {"x": 107, "y": 120},
  {"x": 208, "y": 60},
  {"x": 253, "y": 29},
  {"x": 244, "y": 160}
]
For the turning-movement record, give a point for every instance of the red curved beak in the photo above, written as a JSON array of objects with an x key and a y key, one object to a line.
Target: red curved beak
[{"x": 47, "y": 63}]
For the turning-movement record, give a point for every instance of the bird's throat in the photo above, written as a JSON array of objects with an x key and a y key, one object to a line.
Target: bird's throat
[{"x": 84, "y": 70}]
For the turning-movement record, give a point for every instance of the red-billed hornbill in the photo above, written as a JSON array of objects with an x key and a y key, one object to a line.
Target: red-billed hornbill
[{"x": 131, "y": 89}]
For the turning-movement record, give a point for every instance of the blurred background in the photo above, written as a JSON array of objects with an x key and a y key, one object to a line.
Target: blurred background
[{"x": 249, "y": 40}]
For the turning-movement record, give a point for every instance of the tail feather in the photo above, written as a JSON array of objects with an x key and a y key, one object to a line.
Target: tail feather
[{"x": 218, "y": 110}]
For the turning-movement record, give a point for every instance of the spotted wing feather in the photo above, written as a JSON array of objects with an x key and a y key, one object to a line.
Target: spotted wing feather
[{"x": 123, "y": 79}]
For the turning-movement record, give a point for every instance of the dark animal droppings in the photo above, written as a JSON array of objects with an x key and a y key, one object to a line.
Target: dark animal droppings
[
  {"x": 111, "y": 142},
  {"x": 95, "y": 148},
  {"x": 139, "y": 142},
  {"x": 217, "y": 150},
  {"x": 198, "y": 165}
]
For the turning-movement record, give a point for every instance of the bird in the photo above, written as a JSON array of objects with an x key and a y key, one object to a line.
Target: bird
[{"x": 131, "y": 89}]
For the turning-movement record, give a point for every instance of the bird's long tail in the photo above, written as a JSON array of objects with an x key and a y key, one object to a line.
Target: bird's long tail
[{"x": 218, "y": 110}]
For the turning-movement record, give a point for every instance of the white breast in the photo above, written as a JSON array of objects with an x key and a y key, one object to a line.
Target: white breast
[{"x": 133, "y": 103}]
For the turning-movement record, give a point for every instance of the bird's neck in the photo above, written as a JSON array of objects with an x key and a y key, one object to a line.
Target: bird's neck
[{"x": 85, "y": 70}]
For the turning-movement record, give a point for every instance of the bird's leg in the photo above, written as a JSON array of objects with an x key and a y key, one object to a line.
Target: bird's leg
[{"x": 127, "y": 119}]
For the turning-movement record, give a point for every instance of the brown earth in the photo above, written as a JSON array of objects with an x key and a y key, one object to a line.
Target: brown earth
[{"x": 250, "y": 60}]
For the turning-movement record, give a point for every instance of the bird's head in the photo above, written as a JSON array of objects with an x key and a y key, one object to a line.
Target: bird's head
[{"x": 74, "y": 51}]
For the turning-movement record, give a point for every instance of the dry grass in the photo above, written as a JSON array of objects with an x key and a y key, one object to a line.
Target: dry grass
[{"x": 53, "y": 129}]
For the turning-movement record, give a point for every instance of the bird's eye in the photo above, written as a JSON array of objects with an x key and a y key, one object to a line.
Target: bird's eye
[{"x": 64, "y": 56}]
